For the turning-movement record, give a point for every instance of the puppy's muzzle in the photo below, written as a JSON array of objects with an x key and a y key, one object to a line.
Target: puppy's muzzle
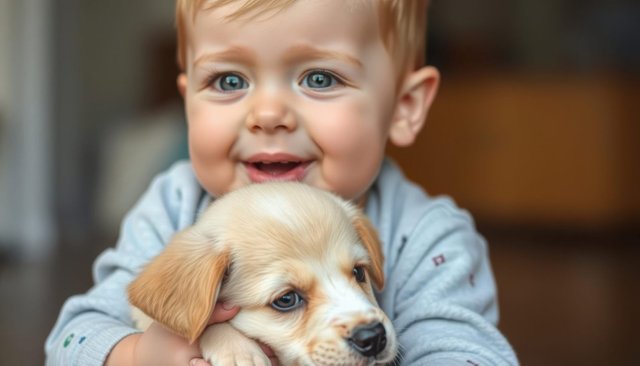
[{"x": 369, "y": 340}]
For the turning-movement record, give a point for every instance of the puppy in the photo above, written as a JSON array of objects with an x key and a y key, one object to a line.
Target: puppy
[{"x": 300, "y": 262}]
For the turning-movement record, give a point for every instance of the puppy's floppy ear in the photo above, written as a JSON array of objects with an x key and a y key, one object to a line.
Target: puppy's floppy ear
[
  {"x": 180, "y": 286},
  {"x": 369, "y": 237}
]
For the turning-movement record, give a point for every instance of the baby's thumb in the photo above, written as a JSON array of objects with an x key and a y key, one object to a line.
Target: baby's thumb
[
  {"x": 198, "y": 362},
  {"x": 223, "y": 312}
]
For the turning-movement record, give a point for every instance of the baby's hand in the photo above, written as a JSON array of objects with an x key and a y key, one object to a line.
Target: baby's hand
[
  {"x": 158, "y": 346},
  {"x": 224, "y": 345},
  {"x": 221, "y": 313}
]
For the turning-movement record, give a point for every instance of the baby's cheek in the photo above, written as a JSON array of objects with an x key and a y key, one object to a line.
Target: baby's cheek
[{"x": 344, "y": 132}]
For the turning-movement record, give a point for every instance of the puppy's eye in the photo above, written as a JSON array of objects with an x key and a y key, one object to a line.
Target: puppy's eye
[
  {"x": 359, "y": 273},
  {"x": 287, "y": 302}
]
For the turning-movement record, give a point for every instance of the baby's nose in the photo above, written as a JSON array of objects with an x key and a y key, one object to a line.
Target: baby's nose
[
  {"x": 369, "y": 340},
  {"x": 270, "y": 116}
]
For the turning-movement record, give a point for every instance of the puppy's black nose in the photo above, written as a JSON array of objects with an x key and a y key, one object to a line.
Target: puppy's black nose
[{"x": 369, "y": 340}]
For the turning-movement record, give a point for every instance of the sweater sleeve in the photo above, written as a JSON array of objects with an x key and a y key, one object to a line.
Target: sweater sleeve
[
  {"x": 90, "y": 324},
  {"x": 442, "y": 293}
]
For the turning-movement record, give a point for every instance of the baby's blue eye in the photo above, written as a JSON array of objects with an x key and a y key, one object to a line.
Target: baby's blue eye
[
  {"x": 319, "y": 80},
  {"x": 230, "y": 82}
]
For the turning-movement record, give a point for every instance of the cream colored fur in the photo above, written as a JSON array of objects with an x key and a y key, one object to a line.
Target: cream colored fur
[{"x": 253, "y": 246}]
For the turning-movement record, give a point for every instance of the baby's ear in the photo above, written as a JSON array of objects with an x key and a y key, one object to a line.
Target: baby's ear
[
  {"x": 181, "y": 82},
  {"x": 180, "y": 286},
  {"x": 369, "y": 237},
  {"x": 415, "y": 96}
]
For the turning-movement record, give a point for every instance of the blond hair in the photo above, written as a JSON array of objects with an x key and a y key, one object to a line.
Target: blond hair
[{"x": 403, "y": 25}]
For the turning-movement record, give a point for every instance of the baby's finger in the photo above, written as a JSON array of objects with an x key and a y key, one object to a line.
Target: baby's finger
[
  {"x": 269, "y": 353},
  {"x": 223, "y": 312},
  {"x": 199, "y": 362}
]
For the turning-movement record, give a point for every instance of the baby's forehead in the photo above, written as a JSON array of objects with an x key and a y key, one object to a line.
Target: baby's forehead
[
  {"x": 323, "y": 24},
  {"x": 238, "y": 9},
  {"x": 251, "y": 12},
  {"x": 402, "y": 23}
]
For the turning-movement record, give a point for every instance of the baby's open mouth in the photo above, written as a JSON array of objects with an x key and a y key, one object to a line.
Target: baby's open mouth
[
  {"x": 286, "y": 170},
  {"x": 276, "y": 168}
]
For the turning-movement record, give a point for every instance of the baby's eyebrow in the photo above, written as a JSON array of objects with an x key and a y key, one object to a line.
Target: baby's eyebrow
[
  {"x": 233, "y": 54},
  {"x": 306, "y": 52}
]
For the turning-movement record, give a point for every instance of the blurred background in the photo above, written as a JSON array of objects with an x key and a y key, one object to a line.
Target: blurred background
[{"x": 536, "y": 131}]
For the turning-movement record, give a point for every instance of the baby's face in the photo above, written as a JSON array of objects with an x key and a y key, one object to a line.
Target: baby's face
[{"x": 307, "y": 94}]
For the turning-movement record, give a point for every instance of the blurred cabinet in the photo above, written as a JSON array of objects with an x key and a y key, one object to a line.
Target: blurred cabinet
[{"x": 556, "y": 150}]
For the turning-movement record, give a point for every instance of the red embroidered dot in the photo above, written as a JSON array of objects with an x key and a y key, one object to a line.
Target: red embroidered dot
[{"x": 438, "y": 260}]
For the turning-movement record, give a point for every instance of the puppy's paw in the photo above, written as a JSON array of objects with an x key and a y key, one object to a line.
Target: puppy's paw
[{"x": 223, "y": 345}]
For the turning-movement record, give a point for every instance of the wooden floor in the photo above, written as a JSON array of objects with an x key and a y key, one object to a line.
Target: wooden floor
[{"x": 565, "y": 299}]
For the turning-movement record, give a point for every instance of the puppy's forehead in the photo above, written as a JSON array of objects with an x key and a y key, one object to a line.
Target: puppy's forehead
[
  {"x": 282, "y": 216},
  {"x": 291, "y": 205}
]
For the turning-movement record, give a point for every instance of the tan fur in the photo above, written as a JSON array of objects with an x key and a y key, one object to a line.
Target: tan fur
[
  {"x": 270, "y": 239},
  {"x": 369, "y": 238},
  {"x": 178, "y": 287}
]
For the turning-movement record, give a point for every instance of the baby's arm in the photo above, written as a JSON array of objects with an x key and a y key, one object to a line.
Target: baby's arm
[
  {"x": 444, "y": 296},
  {"x": 91, "y": 324}
]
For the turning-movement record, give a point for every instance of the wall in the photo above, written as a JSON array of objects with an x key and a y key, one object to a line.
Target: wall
[
  {"x": 27, "y": 161},
  {"x": 5, "y": 95},
  {"x": 102, "y": 78}
]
